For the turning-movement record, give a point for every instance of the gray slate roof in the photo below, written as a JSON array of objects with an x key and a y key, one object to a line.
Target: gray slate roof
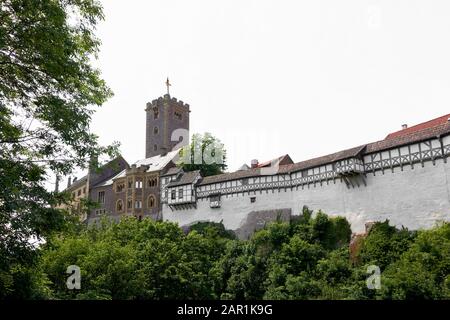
[
  {"x": 186, "y": 178},
  {"x": 172, "y": 171}
]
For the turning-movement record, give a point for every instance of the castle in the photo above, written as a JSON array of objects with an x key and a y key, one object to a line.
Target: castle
[{"x": 403, "y": 178}]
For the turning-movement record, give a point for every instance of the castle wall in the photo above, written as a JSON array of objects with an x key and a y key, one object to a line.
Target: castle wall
[{"x": 413, "y": 196}]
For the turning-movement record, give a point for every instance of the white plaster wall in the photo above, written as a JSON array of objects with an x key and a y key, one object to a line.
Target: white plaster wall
[{"x": 415, "y": 198}]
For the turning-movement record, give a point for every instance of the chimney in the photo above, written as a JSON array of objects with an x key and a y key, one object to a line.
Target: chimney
[
  {"x": 404, "y": 126},
  {"x": 254, "y": 163},
  {"x": 69, "y": 182}
]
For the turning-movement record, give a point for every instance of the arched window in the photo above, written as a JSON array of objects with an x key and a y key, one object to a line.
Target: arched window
[
  {"x": 151, "y": 201},
  {"x": 119, "y": 205},
  {"x": 129, "y": 204},
  {"x": 152, "y": 182},
  {"x": 155, "y": 130},
  {"x": 155, "y": 113}
]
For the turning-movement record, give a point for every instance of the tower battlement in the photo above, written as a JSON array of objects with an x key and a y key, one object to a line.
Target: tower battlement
[
  {"x": 160, "y": 101},
  {"x": 164, "y": 115}
]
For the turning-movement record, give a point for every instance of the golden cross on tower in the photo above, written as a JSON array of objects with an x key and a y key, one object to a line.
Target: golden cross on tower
[{"x": 168, "y": 85}]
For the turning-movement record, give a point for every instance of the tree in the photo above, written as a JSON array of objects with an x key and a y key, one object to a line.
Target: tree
[
  {"x": 48, "y": 91},
  {"x": 205, "y": 153},
  {"x": 422, "y": 271},
  {"x": 384, "y": 244}
]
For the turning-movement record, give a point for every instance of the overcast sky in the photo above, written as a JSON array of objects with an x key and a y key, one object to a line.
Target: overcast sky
[{"x": 303, "y": 78}]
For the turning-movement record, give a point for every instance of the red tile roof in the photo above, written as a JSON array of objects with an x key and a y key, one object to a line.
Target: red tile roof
[
  {"x": 426, "y": 130},
  {"x": 421, "y": 126}
]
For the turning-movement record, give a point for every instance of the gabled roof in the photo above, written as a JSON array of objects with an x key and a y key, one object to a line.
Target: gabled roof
[
  {"x": 286, "y": 159},
  {"x": 77, "y": 183},
  {"x": 172, "y": 171},
  {"x": 155, "y": 163},
  {"x": 420, "y": 132},
  {"x": 231, "y": 176},
  {"x": 158, "y": 162},
  {"x": 185, "y": 178},
  {"x": 419, "y": 127},
  {"x": 426, "y": 130},
  {"x": 315, "y": 162}
]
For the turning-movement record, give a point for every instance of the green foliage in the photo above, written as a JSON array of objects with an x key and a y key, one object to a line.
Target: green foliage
[
  {"x": 384, "y": 244},
  {"x": 145, "y": 259},
  {"x": 205, "y": 153},
  {"x": 48, "y": 91},
  {"x": 213, "y": 229},
  {"x": 421, "y": 272}
]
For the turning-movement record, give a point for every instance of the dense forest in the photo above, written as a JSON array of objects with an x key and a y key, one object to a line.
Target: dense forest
[{"x": 308, "y": 258}]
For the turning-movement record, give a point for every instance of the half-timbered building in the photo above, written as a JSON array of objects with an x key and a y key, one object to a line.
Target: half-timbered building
[{"x": 404, "y": 178}]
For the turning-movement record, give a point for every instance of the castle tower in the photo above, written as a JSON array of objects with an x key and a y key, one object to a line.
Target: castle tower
[{"x": 164, "y": 116}]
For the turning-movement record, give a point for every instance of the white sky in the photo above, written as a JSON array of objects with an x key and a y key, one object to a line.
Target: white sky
[{"x": 306, "y": 78}]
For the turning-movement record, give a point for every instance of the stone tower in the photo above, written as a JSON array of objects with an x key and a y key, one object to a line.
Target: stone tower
[{"x": 164, "y": 116}]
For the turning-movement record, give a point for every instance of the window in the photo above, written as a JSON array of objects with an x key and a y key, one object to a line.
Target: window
[
  {"x": 119, "y": 206},
  {"x": 304, "y": 173},
  {"x": 155, "y": 130},
  {"x": 129, "y": 204},
  {"x": 120, "y": 187},
  {"x": 101, "y": 197},
  {"x": 180, "y": 193},
  {"x": 244, "y": 181},
  {"x": 155, "y": 147},
  {"x": 74, "y": 195},
  {"x": 151, "y": 201},
  {"x": 192, "y": 192},
  {"x": 100, "y": 211},
  {"x": 253, "y": 199},
  {"x": 84, "y": 190},
  {"x": 138, "y": 184},
  {"x": 152, "y": 182},
  {"x": 155, "y": 113},
  {"x": 130, "y": 184},
  {"x": 79, "y": 192},
  {"x": 178, "y": 115},
  {"x": 214, "y": 201},
  {"x": 138, "y": 204},
  {"x": 173, "y": 195}
]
